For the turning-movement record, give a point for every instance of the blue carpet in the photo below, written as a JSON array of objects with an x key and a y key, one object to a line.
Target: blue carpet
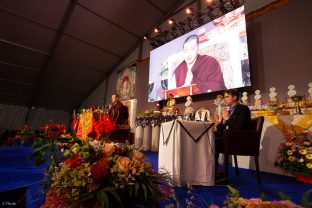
[
  {"x": 247, "y": 185},
  {"x": 18, "y": 175}
]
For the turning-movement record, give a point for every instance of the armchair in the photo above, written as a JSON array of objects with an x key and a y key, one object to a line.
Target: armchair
[{"x": 243, "y": 143}]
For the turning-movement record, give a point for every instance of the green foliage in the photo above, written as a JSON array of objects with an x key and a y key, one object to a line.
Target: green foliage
[
  {"x": 283, "y": 196},
  {"x": 305, "y": 199}
]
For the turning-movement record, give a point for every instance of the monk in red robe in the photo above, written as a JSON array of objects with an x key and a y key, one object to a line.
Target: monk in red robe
[
  {"x": 202, "y": 70},
  {"x": 117, "y": 111}
]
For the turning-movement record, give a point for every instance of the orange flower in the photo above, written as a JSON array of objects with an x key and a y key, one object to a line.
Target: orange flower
[
  {"x": 123, "y": 164},
  {"x": 298, "y": 140},
  {"x": 291, "y": 158},
  {"x": 137, "y": 155},
  {"x": 108, "y": 149}
]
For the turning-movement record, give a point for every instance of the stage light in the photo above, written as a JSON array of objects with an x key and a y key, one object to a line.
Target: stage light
[
  {"x": 156, "y": 29},
  {"x": 171, "y": 21},
  {"x": 189, "y": 10},
  {"x": 215, "y": 8},
  {"x": 210, "y": 2}
]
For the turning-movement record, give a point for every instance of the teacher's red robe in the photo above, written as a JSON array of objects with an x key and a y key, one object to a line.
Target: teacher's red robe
[{"x": 207, "y": 74}]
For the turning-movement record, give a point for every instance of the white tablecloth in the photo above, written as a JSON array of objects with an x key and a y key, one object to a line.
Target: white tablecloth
[{"x": 186, "y": 152}]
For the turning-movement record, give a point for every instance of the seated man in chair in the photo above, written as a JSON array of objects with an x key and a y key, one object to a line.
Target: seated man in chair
[
  {"x": 237, "y": 117},
  {"x": 118, "y": 112}
]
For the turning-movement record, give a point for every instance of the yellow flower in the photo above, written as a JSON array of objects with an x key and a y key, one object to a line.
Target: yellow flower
[
  {"x": 291, "y": 158},
  {"x": 309, "y": 165},
  {"x": 303, "y": 151},
  {"x": 309, "y": 156},
  {"x": 123, "y": 164},
  {"x": 289, "y": 152}
]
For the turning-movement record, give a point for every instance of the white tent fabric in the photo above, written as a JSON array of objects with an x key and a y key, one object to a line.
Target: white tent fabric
[
  {"x": 40, "y": 117},
  {"x": 14, "y": 117}
]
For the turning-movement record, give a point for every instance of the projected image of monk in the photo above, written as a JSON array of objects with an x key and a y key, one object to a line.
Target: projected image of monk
[{"x": 202, "y": 70}]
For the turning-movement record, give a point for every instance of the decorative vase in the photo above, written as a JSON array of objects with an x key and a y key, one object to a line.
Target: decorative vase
[{"x": 305, "y": 179}]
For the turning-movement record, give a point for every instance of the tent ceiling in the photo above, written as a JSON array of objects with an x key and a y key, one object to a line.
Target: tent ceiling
[{"x": 54, "y": 53}]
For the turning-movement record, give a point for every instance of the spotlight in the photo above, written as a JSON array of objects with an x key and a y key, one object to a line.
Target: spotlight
[
  {"x": 189, "y": 10},
  {"x": 171, "y": 21},
  {"x": 210, "y": 2},
  {"x": 157, "y": 30}
]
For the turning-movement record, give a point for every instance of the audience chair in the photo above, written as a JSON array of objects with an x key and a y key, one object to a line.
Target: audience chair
[{"x": 243, "y": 143}]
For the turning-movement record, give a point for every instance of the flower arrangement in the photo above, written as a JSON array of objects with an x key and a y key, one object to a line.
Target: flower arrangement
[
  {"x": 101, "y": 174},
  {"x": 26, "y": 134},
  {"x": 294, "y": 155},
  {"x": 46, "y": 144},
  {"x": 234, "y": 200}
]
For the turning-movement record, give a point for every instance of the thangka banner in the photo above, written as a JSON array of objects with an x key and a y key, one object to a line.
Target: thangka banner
[{"x": 126, "y": 83}]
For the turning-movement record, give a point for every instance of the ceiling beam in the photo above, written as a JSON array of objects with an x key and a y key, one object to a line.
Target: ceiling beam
[
  {"x": 27, "y": 19},
  {"x": 137, "y": 44},
  {"x": 155, "y": 6},
  {"x": 81, "y": 65},
  {"x": 70, "y": 36},
  {"x": 25, "y": 47},
  {"x": 91, "y": 45},
  {"x": 69, "y": 11},
  {"x": 17, "y": 82},
  {"x": 14, "y": 95},
  {"x": 111, "y": 22},
  {"x": 20, "y": 66}
]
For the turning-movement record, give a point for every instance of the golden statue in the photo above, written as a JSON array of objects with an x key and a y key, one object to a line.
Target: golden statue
[{"x": 170, "y": 107}]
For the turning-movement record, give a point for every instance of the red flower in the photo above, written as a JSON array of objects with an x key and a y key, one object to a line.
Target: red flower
[
  {"x": 53, "y": 199},
  {"x": 73, "y": 162},
  {"x": 99, "y": 170},
  {"x": 102, "y": 124}
]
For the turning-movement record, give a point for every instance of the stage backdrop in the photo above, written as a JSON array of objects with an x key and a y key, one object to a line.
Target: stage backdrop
[{"x": 126, "y": 83}]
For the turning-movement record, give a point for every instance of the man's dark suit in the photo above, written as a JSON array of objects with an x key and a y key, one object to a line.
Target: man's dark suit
[{"x": 239, "y": 119}]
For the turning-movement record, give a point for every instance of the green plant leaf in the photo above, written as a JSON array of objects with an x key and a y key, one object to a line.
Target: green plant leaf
[
  {"x": 144, "y": 190},
  {"x": 113, "y": 192},
  {"x": 103, "y": 198},
  {"x": 130, "y": 190},
  {"x": 262, "y": 196},
  {"x": 283, "y": 196},
  {"x": 152, "y": 193},
  {"x": 233, "y": 191},
  {"x": 305, "y": 199},
  {"x": 136, "y": 189}
]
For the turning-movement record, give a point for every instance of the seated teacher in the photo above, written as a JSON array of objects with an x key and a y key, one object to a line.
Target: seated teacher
[{"x": 118, "y": 111}]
